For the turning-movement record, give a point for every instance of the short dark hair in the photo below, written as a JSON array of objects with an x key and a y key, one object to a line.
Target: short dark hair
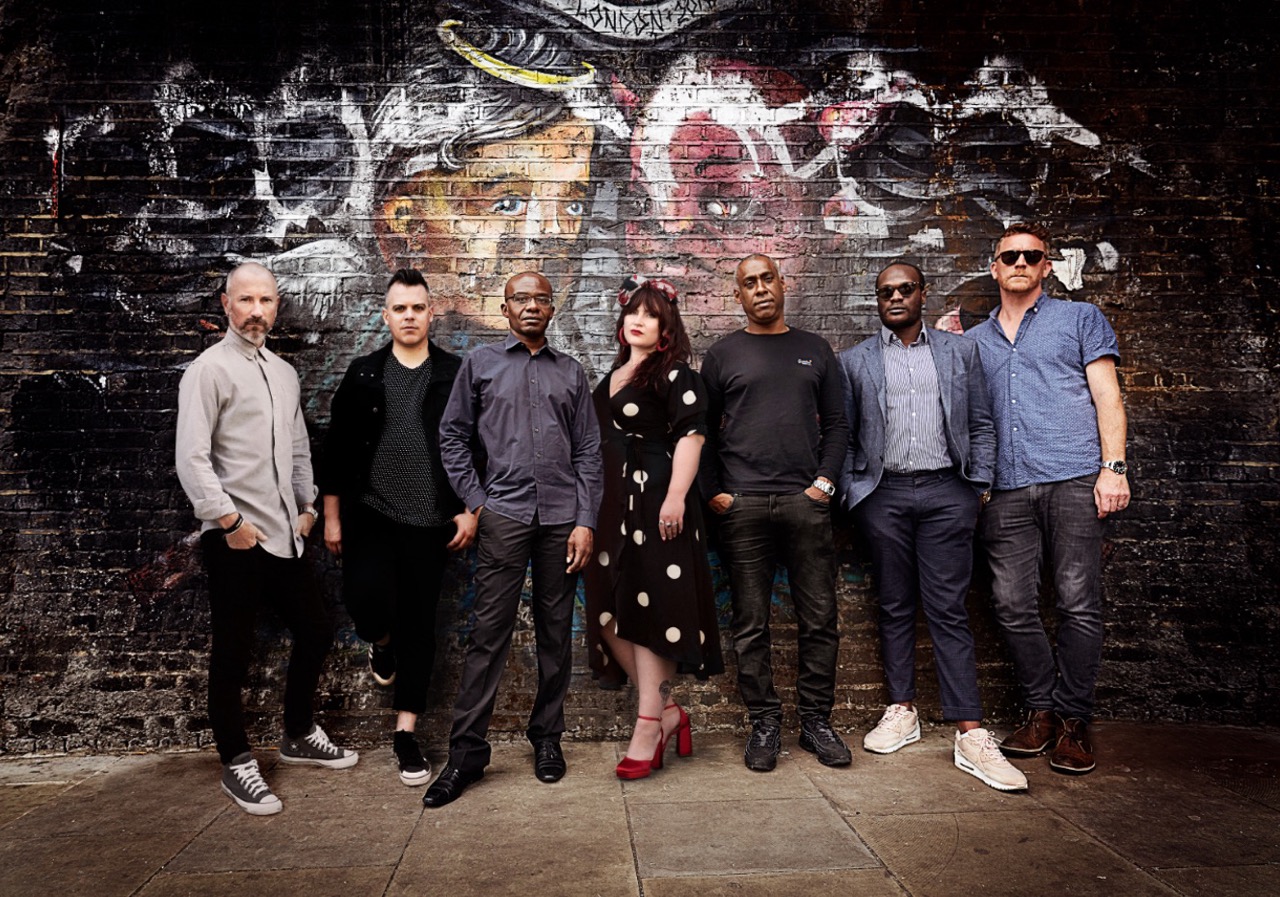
[
  {"x": 905, "y": 264},
  {"x": 1039, "y": 231},
  {"x": 410, "y": 277}
]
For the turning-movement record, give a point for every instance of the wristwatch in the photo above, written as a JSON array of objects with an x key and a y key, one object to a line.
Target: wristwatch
[
  {"x": 827, "y": 489},
  {"x": 1119, "y": 468}
]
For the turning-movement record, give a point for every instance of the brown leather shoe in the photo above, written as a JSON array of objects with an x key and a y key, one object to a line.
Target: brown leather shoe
[
  {"x": 1037, "y": 733},
  {"x": 1073, "y": 754}
]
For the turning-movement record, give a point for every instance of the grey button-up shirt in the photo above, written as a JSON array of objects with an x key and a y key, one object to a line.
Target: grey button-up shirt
[
  {"x": 242, "y": 443},
  {"x": 519, "y": 436}
]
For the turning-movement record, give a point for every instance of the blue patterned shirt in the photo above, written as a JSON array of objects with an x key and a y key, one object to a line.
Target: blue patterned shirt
[{"x": 1046, "y": 423}]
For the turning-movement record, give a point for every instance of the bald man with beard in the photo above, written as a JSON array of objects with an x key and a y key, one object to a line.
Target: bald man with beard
[{"x": 244, "y": 460}]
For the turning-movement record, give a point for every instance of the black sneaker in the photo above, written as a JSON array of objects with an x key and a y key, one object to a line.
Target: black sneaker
[
  {"x": 382, "y": 664},
  {"x": 763, "y": 746},
  {"x": 414, "y": 768},
  {"x": 817, "y": 737},
  {"x": 315, "y": 749},
  {"x": 242, "y": 782}
]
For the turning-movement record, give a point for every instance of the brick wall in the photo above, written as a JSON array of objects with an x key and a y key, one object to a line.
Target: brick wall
[{"x": 145, "y": 150}]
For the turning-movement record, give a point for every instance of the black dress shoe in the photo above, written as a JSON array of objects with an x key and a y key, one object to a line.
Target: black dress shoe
[
  {"x": 548, "y": 761},
  {"x": 449, "y": 786}
]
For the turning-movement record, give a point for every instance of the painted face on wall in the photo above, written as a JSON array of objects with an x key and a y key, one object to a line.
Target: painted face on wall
[
  {"x": 516, "y": 205},
  {"x": 717, "y": 169}
]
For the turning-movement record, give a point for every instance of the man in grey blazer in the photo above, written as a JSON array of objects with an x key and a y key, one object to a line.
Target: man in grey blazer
[{"x": 921, "y": 454}]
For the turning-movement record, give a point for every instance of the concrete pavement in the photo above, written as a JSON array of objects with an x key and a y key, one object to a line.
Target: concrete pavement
[{"x": 1171, "y": 810}]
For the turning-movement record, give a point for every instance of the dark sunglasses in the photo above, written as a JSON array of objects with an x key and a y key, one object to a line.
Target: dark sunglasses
[
  {"x": 907, "y": 289},
  {"x": 1010, "y": 256}
]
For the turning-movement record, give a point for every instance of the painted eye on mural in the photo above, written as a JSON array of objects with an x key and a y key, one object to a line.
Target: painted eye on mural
[
  {"x": 725, "y": 213},
  {"x": 722, "y": 208},
  {"x": 510, "y": 205},
  {"x": 575, "y": 208}
]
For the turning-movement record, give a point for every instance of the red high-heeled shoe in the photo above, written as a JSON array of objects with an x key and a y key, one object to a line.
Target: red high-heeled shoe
[
  {"x": 683, "y": 733},
  {"x": 640, "y": 769}
]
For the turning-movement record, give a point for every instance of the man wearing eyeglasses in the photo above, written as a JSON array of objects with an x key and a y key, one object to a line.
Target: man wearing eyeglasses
[
  {"x": 1060, "y": 471},
  {"x": 521, "y": 447},
  {"x": 922, "y": 450}
]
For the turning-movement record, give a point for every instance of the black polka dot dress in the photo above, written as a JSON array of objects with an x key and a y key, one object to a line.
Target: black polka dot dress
[{"x": 657, "y": 593}]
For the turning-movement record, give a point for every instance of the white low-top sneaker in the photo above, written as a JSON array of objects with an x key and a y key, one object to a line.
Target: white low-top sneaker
[
  {"x": 978, "y": 754},
  {"x": 898, "y": 726}
]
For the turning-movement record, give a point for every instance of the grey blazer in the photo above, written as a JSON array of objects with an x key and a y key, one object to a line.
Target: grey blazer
[{"x": 966, "y": 413}]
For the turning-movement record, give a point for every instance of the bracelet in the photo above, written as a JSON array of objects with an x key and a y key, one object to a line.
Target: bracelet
[
  {"x": 309, "y": 509},
  {"x": 235, "y": 527}
]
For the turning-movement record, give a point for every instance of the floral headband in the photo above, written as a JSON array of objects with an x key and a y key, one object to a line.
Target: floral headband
[{"x": 632, "y": 285}]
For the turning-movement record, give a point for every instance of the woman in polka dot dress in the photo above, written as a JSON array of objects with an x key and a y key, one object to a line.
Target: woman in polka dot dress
[{"x": 650, "y": 608}]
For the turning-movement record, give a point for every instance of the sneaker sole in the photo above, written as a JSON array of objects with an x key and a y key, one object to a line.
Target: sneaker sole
[
  {"x": 269, "y": 809},
  {"x": 965, "y": 766},
  {"x": 415, "y": 779},
  {"x": 910, "y": 738},
  {"x": 340, "y": 763},
  {"x": 1072, "y": 770}
]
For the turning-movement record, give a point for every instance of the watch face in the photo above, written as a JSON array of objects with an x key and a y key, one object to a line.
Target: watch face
[{"x": 1117, "y": 467}]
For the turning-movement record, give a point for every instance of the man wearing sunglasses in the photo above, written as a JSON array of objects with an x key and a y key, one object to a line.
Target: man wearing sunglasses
[
  {"x": 1060, "y": 471},
  {"x": 922, "y": 451}
]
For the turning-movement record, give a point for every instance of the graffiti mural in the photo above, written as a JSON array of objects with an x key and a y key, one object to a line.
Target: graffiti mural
[{"x": 586, "y": 139}]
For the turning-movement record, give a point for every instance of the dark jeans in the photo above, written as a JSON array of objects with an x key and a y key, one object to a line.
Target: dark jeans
[
  {"x": 391, "y": 575},
  {"x": 1016, "y": 525},
  {"x": 756, "y": 533},
  {"x": 920, "y": 528},
  {"x": 241, "y": 583},
  {"x": 505, "y": 549}
]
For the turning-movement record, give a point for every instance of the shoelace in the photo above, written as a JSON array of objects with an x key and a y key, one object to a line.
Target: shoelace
[
  {"x": 988, "y": 749},
  {"x": 250, "y": 778},
  {"x": 320, "y": 741},
  {"x": 822, "y": 733},
  {"x": 761, "y": 737},
  {"x": 895, "y": 713}
]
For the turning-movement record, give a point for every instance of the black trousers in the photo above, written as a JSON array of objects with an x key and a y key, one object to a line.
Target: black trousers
[
  {"x": 241, "y": 584},
  {"x": 391, "y": 575},
  {"x": 506, "y": 548}
]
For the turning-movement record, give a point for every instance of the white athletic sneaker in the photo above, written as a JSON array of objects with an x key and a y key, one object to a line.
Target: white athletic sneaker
[
  {"x": 899, "y": 726},
  {"x": 978, "y": 754},
  {"x": 242, "y": 782},
  {"x": 315, "y": 749}
]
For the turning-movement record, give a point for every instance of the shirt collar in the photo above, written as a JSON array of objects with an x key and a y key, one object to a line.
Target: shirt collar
[
  {"x": 241, "y": 345},
  {"x": 889, "y": 338},
  {"x": 511, "y": 342},
  {"x": 995, "y": 312}
]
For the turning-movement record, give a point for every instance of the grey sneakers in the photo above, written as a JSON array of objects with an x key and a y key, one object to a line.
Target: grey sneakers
[
  {"x": 978, "y": 754},
  {"x": 898, "y": 726},
  {"x": 315, "y": 749},
  {"x": 242, "y": 782}
]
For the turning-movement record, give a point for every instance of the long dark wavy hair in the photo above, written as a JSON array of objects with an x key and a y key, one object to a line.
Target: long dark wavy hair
[{"x": 653, "y": 371}]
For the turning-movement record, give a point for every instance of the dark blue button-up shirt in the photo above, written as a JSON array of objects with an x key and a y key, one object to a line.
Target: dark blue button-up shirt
[
  {"x": 1046, "y": 424},
  {"x": 519, "y": 436}
]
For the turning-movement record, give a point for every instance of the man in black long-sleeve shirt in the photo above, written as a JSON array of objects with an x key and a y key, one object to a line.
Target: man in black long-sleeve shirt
[{"x": 776, "y": 439}]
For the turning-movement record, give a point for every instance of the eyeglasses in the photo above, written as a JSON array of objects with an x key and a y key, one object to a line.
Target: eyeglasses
[
  {"x": 1010, "y": 256},
  {"x": 520, "y": 300},
  {"x": 907, "y": 289}
]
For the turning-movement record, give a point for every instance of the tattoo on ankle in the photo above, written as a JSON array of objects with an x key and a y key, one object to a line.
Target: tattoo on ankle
[{"x": 665, "y": 690}]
